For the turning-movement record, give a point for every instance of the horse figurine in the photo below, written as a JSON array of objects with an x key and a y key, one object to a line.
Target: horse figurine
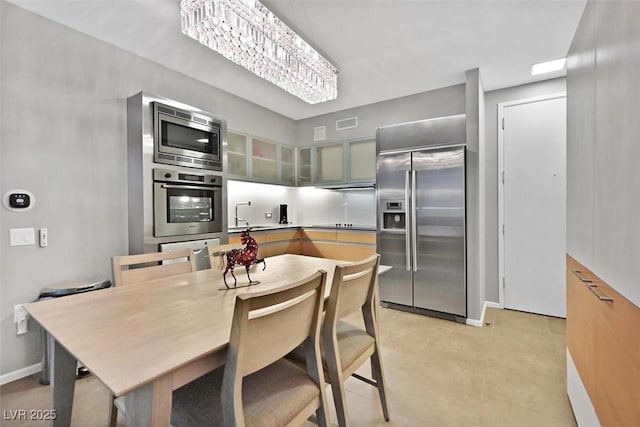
[{"x": 246, "y": 257}]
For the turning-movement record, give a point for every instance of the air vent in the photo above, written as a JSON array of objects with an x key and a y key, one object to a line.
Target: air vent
[
  {"x": 183, "y": 159},
  {"x": 351, "y": 122},
  {"x": 199, "y": 120},
  {"x": 212, "y": 164},
  {"x": 166, "y": 110},
  {"x": 166, "y": 156},
  {"x": 199, "y": 162},
  {"x": 183, "y": 115},
  {"x": 320, "y": 133}
]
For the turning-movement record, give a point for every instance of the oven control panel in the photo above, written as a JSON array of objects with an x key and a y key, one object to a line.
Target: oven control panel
[{"x": 178, "y": 177}]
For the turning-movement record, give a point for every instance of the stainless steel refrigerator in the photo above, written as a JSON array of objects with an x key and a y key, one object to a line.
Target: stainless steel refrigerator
[{"x": 421, "y": 216}]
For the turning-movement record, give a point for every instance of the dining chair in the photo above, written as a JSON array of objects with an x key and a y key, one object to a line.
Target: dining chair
[
  {"x": 216, "y": 251},
  {"x": 257, "y": 386},
  {"x": 345, "y": 346},
  {"x": 152, "y": 266},
  {"x": 149, "y": 266}
]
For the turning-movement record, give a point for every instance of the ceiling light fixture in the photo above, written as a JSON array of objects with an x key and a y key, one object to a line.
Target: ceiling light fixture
[
  {"x": 548, "y": 67},
  {"x": 249, "y": 34}
]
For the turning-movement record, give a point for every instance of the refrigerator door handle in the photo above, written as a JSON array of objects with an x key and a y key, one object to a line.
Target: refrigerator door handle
[
  {"x": 407, "y": 240},
  {"x": 414, "y": 220}
]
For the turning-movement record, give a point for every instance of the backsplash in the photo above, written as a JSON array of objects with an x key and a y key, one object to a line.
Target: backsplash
[
  {"x": 306, "y": 205},
  {"x": 263, "y": 197}
]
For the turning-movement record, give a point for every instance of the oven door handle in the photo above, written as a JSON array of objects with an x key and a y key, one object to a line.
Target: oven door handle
[{"x": 191, "y": 187}]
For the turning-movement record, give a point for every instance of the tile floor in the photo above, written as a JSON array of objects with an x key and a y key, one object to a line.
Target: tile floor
[{"x": 439, "y": 373}]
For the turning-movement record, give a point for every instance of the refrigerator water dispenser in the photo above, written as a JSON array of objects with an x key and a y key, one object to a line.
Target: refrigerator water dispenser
[
  {"x": 393, "y": 220},
  {"x": 393, "y": 215}
]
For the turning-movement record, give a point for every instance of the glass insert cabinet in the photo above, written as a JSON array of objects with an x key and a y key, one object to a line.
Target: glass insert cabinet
[{"x": 253, "y": 158}]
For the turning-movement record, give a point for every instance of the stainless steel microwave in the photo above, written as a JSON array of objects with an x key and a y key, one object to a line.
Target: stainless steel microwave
[{"x": 187, "y": 138}]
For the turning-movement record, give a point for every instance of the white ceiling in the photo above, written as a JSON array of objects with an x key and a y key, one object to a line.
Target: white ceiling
[{"x": 384, "y": 49}]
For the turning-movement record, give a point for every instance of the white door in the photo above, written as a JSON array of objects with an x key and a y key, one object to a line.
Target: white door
[{"x": 534, "y": 205}]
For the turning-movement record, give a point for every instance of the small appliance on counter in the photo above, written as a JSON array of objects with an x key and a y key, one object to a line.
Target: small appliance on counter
[{"x": 283, "y": 215}]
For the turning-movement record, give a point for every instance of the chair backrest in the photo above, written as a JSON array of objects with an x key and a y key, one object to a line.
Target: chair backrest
[
  {"x": 267, "y": 326},
  {"x": 270, "y": 324},
  {"x": 151, "y": 266},
  {"x": 216, "y": 251},
  {"x": 353, "y": 288}
]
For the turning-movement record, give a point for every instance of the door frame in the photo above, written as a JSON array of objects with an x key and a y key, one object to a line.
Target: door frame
[{"x": 501, "y": 107}]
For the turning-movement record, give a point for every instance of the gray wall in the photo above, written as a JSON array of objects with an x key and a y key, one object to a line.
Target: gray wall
[
  {"x": 63, "y": 137},
  {"x": 492, "y": 99},
  {"x": 436, "y": 103},
  {"x": 603, "y": 154}
]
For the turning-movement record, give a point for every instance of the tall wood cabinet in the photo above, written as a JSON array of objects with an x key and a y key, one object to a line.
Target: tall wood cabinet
[{"x": 603, "y": 338}]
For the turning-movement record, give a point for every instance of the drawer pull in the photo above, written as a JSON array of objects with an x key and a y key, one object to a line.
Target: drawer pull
[
  {"x": 579, "y": 275},
  {"x": 594, "y": 288}
]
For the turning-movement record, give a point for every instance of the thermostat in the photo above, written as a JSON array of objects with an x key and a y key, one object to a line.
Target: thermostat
[{"x": 18, "y": 200}]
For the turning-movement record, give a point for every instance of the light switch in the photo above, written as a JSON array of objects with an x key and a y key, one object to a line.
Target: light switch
[{"x": 22, "y": 237}]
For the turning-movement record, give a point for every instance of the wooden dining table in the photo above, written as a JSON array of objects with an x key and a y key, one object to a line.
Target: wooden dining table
[{"x": 146, "y": 339}]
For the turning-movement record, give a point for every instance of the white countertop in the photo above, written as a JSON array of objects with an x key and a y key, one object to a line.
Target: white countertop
[{"x": 286, "y": 226}]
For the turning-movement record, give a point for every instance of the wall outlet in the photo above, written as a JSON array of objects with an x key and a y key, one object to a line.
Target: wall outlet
[
  {"x": 20, "y": 317},
  {"x": 268, "y": 215}
]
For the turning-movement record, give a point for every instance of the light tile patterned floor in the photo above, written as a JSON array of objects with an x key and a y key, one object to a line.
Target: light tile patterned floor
[{"x": 509, "y": 373}]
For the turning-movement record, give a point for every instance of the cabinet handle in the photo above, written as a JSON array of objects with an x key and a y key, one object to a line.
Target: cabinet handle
[
  {"x": 579, "y": 275},
  {"x": 594, "y": 289}
]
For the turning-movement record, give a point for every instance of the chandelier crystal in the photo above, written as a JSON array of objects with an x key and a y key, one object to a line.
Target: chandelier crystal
[{"x": 249, "y": 34}]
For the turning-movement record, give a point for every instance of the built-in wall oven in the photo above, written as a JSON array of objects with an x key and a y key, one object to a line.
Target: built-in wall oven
[
  {"x": 186, "y": 138},
  {"x": 186, "y": 203}
]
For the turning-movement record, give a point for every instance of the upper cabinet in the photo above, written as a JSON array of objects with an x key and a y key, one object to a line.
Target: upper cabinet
[
  {"x": 338, "y": 163},
  {"x": 238, "y": 161},
  {"x": 329, "y": 164},
  {"x": 253, "y": 158},
  {"x": 305, "y": 166},
  {"x": 264, "y": 155},
  {"x": 287, "y": 165},
  {"x": 362, "y": 160}
]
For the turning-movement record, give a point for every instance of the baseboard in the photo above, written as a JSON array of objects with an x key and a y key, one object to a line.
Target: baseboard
[
  {"x": 480, "y": 322},
  {"x": 20, "y": 373},
  {"x": 581, "y": 404}
]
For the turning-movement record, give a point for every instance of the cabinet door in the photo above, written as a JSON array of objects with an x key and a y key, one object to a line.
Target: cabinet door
[
  {"x": 263, "y": 160},
  {"x": 330, "y": 163},
  {"x": 237, "y": 154},
  {"x": 362, "y": 161},
  {"x": 287, "y": 165},
  {"x": 304, "y": 166}
]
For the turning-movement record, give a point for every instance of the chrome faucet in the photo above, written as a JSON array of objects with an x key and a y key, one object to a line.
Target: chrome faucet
[{"x": 240, "y": 219}]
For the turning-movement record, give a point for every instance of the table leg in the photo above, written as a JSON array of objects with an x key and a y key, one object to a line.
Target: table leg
[
  {"x": 64, "y": 382},
  {"x": 150, "y": 405}
]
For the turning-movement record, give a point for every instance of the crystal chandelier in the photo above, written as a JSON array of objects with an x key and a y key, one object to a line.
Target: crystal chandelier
[{"x": 249, "y": 34}]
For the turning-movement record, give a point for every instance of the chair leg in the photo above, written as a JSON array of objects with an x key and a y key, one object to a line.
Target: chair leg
[
  {"x": 321, "y": 417},
  {"x": 339, "y": 399},
  {"x": 376, "y": 367},
  {"x": 113, "y": 413}
]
